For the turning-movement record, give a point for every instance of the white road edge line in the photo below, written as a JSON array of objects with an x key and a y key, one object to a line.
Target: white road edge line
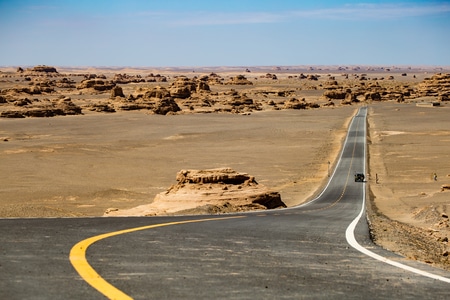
[
  {"x": 350, "y": 234},
  {"x": 338, "y": 162}
]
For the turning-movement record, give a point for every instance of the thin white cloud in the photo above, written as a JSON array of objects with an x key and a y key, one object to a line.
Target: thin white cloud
[
  {"x": 376, "y": 11},
  {"x": 202, "y": 18},
  {"x": 347, "y": 12},
  {"x": 236, "y": 18}
]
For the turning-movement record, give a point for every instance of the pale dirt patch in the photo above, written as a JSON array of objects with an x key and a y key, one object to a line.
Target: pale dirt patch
[{"x": 386, "y": 133}]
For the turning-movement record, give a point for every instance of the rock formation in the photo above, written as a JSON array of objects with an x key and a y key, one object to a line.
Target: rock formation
[
  {"x": 239, "y": 80},
  {"x": 101, "y": 107},
  {"x": 31, "y": 90},
  {"x": 165, "y": 106},
  {"x": 152, "y": 92},
  {"x": 331, "y": 84},
  {"x": 184, "y": 87},
  {"x": 117, "y": 92},
  {"x": 219, "y": 190},
  {"x": 334, "y": 94},
  {"x": 269, "y": 76},
  {"x": 26, "y": 90},
  {"x": 156, "y": 78},
  {"x": 44, "y": 69},
  {"x": 213, "y": 79},
  {"x": 217, "y": 186},
  {"x": 125, "y": 78},
  {"x": 311, "y": 77},
  {"x": 65, "y": 83},
  {"x": 98, "y": 85},
  {"x": 157, "y": 99},
  {"x": 46, "y": 108},
  {"x": 294, "y": 103},
  {"x": 438, "y": 86}
]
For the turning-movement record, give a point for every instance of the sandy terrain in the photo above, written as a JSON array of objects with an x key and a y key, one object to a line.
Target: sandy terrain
[
  {"x": 83, "y": 165},
  {"x": 407, "y": 146}
]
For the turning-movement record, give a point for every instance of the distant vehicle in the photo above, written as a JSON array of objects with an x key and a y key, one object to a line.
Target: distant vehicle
[{"x": 359, "y": 177}]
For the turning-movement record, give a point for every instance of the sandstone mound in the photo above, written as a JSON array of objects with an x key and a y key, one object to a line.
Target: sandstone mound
[
  {"x": 156, "y": 78},
  {"x": 97, "y": 85},
  {"x": 44, "y": 69},
  {"x": 125, "y": 78},
  {"x": 152, "y": 92},
  {"x": 31, "y": 90},
  {"x": 156, "y": 99},
  {"x": 269, "y": 76},
  {"x": 438, "y": 85},
  {"x": 213, "y": 79},
  {"x": 295, "y": 103},
  {"x": 348, "y": 93},
  {"x": 65, "y": 83},
  {"x": 184, "y": 87},
  {"x": 334, "y": 94},
  {"x": 241, "y": 103},
  {"x": 117, "y": 91},
  {"x": 309, "y": 77},
  {"x": 239, "y": 80},
  {"x": 42, "y": 108},
  {"x": 209, "y": 191}
]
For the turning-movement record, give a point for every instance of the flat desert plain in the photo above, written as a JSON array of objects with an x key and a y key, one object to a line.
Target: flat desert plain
[
  {"x": 80, "y": 142},
  {"x": 83, "y": 165}
]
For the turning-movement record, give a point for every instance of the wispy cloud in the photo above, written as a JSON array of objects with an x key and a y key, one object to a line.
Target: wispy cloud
[
  {"x": 208, "y": 18},
  {"x": 376, "y": 11},
  {"x": 347, "y": 12}
]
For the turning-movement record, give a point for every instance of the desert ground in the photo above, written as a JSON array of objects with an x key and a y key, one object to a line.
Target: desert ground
[{"x": 106, "y": 141}]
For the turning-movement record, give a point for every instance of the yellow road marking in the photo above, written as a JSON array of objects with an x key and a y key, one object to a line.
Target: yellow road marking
[{"x": 78, "y": 259}]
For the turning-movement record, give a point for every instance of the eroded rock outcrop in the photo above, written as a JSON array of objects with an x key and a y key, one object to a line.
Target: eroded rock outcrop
[
  {"x": 209, "y": 191},
  {"x": 152, "y": 92},
  {"x": 44, "y": 69},
  {"x": 65, "y": 83},
  {"x": 217, "y": 186},
  {"x": 98, "y": 85},
  {"x": 157, "y": 99},
  {"x": 117, "y": 91},
  {"x": 438, "y": 85},
  {"x": 31, "y": 90},
  {"x": 184, "y": 87},
  {"x": 213, "y": 79},
  {"x": 125, "y": 78},
  {"x": 295, "y": 103},
  {"x": 42, "y": 108},
  {"x": 334, "y": 94},
  {"x": 349, "y": 93},
  {"x": 269, "y": 76},
  {"x": 156, "y": 78},
  {"x": 239, "y": 80}
]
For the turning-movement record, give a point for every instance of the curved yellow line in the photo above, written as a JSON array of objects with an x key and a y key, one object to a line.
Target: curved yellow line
[{"x": 78, "y": 259}]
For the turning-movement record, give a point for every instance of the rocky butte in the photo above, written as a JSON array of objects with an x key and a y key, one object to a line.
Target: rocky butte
[{"x": 209, "y": 191}]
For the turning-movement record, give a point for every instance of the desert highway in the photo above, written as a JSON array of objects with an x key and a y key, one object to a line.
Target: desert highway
[{"x": 319, "y": 250}]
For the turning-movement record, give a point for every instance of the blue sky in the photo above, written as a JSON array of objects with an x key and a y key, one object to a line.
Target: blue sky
[{"x": 167, "y": 33}]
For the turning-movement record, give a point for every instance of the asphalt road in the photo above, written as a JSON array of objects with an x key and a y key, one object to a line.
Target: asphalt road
[{"x": 311, "y": 251}]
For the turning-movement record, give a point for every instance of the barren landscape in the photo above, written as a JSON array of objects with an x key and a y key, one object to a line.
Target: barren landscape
[{"x": 111, "y": 141}]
